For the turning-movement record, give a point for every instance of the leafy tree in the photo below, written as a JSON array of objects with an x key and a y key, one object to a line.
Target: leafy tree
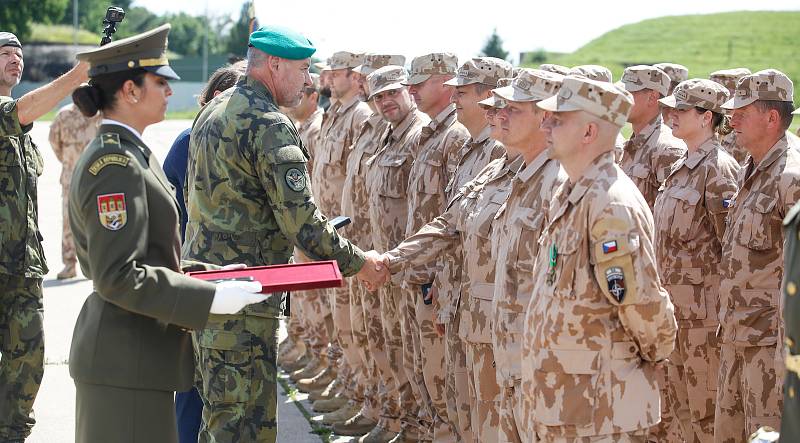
[
  {"x": 494, "y": 47},
  {"x": 17, "y": 15},
  {"x": 240, "y": 32},
  {"x": 92, "y": 12}
]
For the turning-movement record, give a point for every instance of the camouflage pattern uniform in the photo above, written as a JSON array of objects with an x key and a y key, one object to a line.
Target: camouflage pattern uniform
[
  {"x": 690, "y": 213},
  {"x": 70, "y": 132},
  {"x": 751, "y": 371},
  {"x": 728, "y": 79},
  {"x": 249, "y": 202},
  {"x": 468, "y": 222},
  {"x": 440, "y": 140},
  {"x": 309, "y": 132},
  {"x": 387, "y": 190},
  {"x": 381, "y": 395},
  {"x": 22, "y": 266}
]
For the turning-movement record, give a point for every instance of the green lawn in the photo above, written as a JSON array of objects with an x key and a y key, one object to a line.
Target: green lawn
[
  {"x": 61, "y": 34},
  {"x": 703, "y": 43}
]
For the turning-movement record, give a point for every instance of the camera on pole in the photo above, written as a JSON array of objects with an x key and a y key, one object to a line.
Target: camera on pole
[{"x": 114, "y": 15}]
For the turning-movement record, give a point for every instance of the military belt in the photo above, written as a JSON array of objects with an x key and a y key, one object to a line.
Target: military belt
[{"x": 793, "y": 363}]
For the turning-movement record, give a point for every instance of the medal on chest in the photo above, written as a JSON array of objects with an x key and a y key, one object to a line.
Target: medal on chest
[{"x": 552, "y": 254}]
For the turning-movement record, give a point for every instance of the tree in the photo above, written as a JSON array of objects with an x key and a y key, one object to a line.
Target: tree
[
  {"x": 16, "y": 16},
  {"x": 92, "y": 12},
  {"x": 494, "y": 47},
  {"x": 240, "y": 32}
]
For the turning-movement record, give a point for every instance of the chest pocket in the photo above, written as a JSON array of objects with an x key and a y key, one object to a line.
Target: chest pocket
[
  {"x": 684, "y": 209},
  {"x": 640, "y": 171},
  {"x": 755, "y": 230},
  {"x": 528, "y": 223},
  {"x": 431, "y": 182},
  {"x": 562, "y": 274},
  {"x": 480, "y": 221},
  {"x": 336, "y": 147},
  {"x": 395, "y": 176}
]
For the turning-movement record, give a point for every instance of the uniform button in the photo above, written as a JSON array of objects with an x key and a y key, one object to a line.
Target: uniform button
[
  {"x": 791, "y": 392},
  {"x": 791, "y": 288}
]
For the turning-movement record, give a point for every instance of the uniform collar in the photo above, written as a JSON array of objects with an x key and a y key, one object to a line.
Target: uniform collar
[
  {"x": 598, "y": 168},
  {"x": 694, "y": 158},
  {"x": 644, "y": 135},
  {"x": 257, "y": 87},
  {"x": 443, "y": 117},
  {"x": 483, "y": 135},
  {"x": 528, "y": 171},
  {"x": 126, "y": 132},
  {"x": 347, "y": 105},
  {"x": 398, "y": 132},
  {"x": 774, "y": 153}
]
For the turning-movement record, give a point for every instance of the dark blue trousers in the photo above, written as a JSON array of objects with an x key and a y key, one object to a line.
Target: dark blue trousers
[{"x": 189, "y": 412}]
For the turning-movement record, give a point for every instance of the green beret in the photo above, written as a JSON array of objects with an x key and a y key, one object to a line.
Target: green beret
[{"x": 282, "y": 42}]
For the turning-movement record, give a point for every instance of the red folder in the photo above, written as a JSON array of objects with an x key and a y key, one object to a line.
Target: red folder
[{"x": 280, "y": 278}]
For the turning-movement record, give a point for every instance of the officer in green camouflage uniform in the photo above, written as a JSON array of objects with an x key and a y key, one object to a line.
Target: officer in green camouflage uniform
[
  {"x": 249, "y": 202},
  {"x": 22, "y": 262}
]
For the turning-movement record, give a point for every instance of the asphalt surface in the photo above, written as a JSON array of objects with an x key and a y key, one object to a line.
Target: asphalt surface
[{"x": 55, "y": 405}]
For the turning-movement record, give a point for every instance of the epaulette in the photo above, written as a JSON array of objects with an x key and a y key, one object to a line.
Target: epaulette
[{"x": 109, "y": 139}]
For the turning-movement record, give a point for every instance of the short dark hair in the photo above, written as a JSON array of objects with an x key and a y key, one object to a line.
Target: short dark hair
[
  {"x": 100, "y": 93},
  {"x": 784, "y": 110}
]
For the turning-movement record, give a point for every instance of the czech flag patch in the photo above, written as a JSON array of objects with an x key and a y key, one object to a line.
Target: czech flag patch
[{"x": 609, "y": 247}]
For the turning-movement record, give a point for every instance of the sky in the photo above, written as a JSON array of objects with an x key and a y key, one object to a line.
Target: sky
[{"x": 417, "y": 27}]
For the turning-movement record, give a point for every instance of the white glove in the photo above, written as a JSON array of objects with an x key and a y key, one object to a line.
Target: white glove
[{"x": 231, "y": 296}]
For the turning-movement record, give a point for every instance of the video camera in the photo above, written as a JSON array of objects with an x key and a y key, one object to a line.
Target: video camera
[{"x": 114, "y": 15}]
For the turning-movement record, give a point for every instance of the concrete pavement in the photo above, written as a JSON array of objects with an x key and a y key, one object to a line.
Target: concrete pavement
[{"x": 55, "y": 404}]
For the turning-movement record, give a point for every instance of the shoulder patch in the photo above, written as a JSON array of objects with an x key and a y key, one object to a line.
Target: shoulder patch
[
  {"x": 295, "y": 179},
  {"x": 110, "y": 139},
  {"x": 112, "y": 211},
  {"x": 108, "y": 159}
]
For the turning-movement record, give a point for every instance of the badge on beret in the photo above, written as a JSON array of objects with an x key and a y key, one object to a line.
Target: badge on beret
[
  {"x": 295, "y": 179},
  {"x": 112, "y": 211},
  {"x": 616, "y": 282}
]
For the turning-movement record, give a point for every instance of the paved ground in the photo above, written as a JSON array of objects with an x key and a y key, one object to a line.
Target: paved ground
[{"x": 55, "y": 404}]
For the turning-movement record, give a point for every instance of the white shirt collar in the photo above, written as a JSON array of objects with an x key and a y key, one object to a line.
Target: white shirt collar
[{"x": 108, "y": 121}]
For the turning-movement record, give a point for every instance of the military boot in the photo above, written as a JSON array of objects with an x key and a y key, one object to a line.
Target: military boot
[
  {"x": 329, "y": 405},
  {"x": 291, "y": 354},
  {"x": 318, "y": 382},
  {"x": 378, "y": 434},
  {"x": 314, "y": 367},
  {"x": 341, "y": 415},
  {"x": 330, "y": 391},
  {"x": 354, "y": 426},
  {"x": 408, "y": 435},
  {"x": 69, "y": 271},
  {"x": 300, "y": 363}
]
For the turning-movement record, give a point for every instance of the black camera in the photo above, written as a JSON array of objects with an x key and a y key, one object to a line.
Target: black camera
[{"x": 114, "y": 15}]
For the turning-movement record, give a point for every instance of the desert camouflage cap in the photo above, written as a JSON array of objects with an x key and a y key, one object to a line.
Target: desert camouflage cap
[
  {"x": 531, "y": 85},
  {"x": 372, "y": 62},
  {"x": 729, "y": 77},
  {"x": 484, "y": 70},
  {"x": 323, "y": 66},
  {"x": 147, "y": 50},
  {"x": 386, "y": 78},
  {"x": 9, "y": 39},
  {"x": 769, "y": 84},
  {"x": 345, "y": 60},
  {"x": 697, "y": 92},
  {"x": 601, "y": 99},
  {"x": 677, "y": 73},
  {"x": 437, "y": 63},
  {"x": 495, "y": 101},
  {"x": 504, "y": 82},
  {"x": 593, "y": 72},
  {"x": 558, "y": 69},
  {"x": 641, "y": 77}
]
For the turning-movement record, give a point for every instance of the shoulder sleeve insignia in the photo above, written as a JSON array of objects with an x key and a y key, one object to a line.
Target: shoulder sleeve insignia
[
  {"x": 112, "y": 211},
  {"x": 295, "y": 179},
  {"x": 108, "y": 159},
  {"x": 615, "y": 278},
  {"x": 110, "y": 139}
]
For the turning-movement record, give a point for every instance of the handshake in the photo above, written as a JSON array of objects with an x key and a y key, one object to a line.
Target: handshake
[{"x": 375, "y": 272}]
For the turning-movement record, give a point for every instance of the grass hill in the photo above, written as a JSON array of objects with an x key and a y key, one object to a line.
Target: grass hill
[{"x": 703, "y": 43}]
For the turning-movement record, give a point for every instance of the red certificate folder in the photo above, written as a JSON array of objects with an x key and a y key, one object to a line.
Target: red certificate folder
[{"x": 280, "y": 278}]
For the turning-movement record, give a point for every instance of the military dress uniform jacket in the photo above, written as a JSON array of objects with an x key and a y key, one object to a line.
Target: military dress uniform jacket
[
  {"x": 790, "y": 425},
  {"x": 132, "y": 330},
  {"x": 468, "y": 222},
  {"x": 515, "y": 236},
  {"x": 598, "y": 318},
  {"x": 650, "y": 156},
  {"x": 690, "y": 217},
  {"x": 752, "y": 249},
  {"x": 247, "y": 188},
  {"x": 21, "y": 164}
]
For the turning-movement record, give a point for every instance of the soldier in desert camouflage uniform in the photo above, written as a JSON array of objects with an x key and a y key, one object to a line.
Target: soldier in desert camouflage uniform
[
  {"x": 598, "y": 319},
  {"x": 601, "y": 74},
  {"x": 379, "y": 418},
  {"x": 728, "y": 79},
  {"x": 751, "y": 374},
  {"x": 439, "y": 141},
  {"x": 387, "y": 189},
  {"x": 689, "y": 217},
  {"x": 249, "y": 202},
  {"x": 69, "y": 134},
  {"x": 22, "y": 260},
  {"x": 517, "y": 227},
  {"x": 676, "y": 73}
]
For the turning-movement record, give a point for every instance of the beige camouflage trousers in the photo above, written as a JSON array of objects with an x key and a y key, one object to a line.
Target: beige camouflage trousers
[
  {"x": 67, "y": 241},
  {"x": 484, "y": 392},
  {"x": 392, "y": 305},
  {"x": 627, "y": 437},
  {"x": 668, "y": 430},
  {"x": 512, "y": 414},
  {"x": 693, "y": 369},
  {"x": 412, "y": 359},
  {"x": 388, "y": 395},
  {"x": 368, "y": 392},
  {"x": 295, "y": 328},
  {"x": 343, "y": 333},
  {"x": 459, "y": 406},
  {"x": 432, "y": 367},
  {"x": 317, "y": 312},
  {"x": 749, "y": 394}
]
